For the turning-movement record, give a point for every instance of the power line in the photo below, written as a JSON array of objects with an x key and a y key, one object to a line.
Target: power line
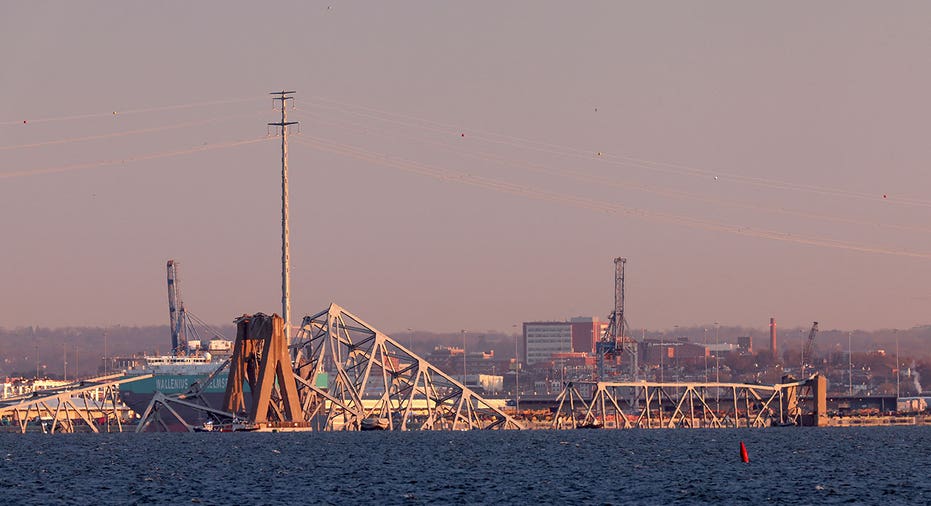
[
  {"x": 141, "y": 110},
  {"x": 596, "y": 205},
  {"x": 129, "y": 159},
  {"x": 126, "y": 133},
  {"x": 612, "y": 182},
  {"x": 610, "y": 158}
]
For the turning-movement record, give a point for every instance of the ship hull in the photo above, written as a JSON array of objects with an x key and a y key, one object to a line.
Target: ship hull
[
  {"x": 139, "y": 401},
  {"x": 138, "y": 395}
]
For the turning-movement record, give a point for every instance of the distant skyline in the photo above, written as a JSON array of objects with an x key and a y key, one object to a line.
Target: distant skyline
[{"x": 469, "y": 166}]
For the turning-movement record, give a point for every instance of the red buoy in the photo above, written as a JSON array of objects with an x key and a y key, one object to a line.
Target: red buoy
[{"x": 744, "y": 457}]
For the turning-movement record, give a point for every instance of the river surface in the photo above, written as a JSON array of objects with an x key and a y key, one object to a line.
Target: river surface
[{"x": 870, "y": 465}]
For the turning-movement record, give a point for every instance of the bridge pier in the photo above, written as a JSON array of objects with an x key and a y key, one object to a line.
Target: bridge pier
[{"x": 818, "y": 416}]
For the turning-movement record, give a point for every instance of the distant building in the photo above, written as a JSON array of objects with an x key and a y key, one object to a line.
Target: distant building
[
  {"x": 543, "y": 339},
  {"x": 720, "y": 350},
  {"x": 586, "y": 331},
  {"x": 485, "y": 383},
  {"x": 12, "y": 387},
  {"x": 450, "y": 359},
  {"x": 575, "y": 359},
  {"x": 660, "y": 351},
  {"x": 446, "y": 358},
  {"x": 745, "y": 344}
]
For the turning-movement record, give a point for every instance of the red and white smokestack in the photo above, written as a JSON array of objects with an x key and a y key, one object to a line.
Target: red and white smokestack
[{"x": 772, "y": 336}]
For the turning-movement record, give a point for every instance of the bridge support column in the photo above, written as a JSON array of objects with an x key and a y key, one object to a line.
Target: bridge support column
[
  {"x": 819, "y": 397},
  {"x": 791, "y": 412}
]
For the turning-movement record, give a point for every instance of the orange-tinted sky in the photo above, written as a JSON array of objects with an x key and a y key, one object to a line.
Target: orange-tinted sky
[{"x": 469, "y": 165}]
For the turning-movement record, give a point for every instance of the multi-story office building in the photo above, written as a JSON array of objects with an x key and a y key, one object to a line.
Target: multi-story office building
[
  {"x": 745, "y": 344},
  {"x": 543, "y": 339}
]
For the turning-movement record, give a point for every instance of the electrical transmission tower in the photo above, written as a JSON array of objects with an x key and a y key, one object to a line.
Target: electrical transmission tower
[{"x": 282, "y": 126}]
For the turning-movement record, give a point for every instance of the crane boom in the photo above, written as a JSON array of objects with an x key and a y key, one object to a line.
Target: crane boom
[{"x": 809, "y": 344}]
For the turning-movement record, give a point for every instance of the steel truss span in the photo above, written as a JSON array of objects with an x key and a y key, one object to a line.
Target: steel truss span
[
  {"x": 91, "y": 406},
  {"x": 629, "y": 405},
  {"x": 374, "y": 381}
]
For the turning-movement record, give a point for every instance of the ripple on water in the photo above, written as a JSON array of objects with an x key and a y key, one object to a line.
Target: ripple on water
[{"x": 792, "y": 465}]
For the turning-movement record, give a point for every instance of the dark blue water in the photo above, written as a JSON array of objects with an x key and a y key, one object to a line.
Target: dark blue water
[{"x": 787, "y": 466}]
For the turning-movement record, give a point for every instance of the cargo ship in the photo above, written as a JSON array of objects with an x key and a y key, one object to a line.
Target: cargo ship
[
  {"x": 191, "y": 361},
  {"x": 173, "y": 375}
]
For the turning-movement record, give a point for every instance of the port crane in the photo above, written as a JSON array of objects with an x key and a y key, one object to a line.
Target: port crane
[
  {"x": 809, "y": 347},
  {"x": 176, "y": 312},
  {"x": 614, "y": 341},
  {"x": 182, "y": 322}
]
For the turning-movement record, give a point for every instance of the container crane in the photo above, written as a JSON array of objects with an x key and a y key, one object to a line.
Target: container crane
[
  {"x": 184, "y": 324},
  {"x": 614, "y": 341},
  {"x": 809, "y": 347}
]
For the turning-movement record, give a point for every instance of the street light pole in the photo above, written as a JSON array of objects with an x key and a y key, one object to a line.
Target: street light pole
[
  {"x": 676, "y": 337},
  {"x": 717, "y": 367},
  {"x": 516, "y": 370},
  {"x": 849, "y": 365},
  {"x": 463, "y": 332},
  {"x": 662, "y": 373},
  {"x": 897, "y": 366},
  {"x": 106, "y": 354}
]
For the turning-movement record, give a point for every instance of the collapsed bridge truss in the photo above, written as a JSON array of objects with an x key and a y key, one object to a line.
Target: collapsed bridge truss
[
  {"x": 348, "y": 376},
  {"x": 374, "y": 377}
]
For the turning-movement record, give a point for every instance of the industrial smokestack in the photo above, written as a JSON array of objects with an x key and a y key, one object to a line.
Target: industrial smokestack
[{"x": 772, "y": 336}]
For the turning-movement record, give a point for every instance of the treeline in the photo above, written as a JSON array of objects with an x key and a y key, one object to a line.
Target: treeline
[{"x": 83, "y": 348}]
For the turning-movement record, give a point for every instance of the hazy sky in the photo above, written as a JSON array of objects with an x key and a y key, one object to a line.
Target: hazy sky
[{"x": 469, "y": 165}]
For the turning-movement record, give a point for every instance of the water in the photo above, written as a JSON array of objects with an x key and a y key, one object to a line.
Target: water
[{"x": 787, "y": 466}]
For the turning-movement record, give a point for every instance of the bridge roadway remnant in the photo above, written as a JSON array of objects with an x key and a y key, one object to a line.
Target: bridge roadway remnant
[
  {"x": 624, "y": 405},
  {"x": 90, "y": 405}
]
